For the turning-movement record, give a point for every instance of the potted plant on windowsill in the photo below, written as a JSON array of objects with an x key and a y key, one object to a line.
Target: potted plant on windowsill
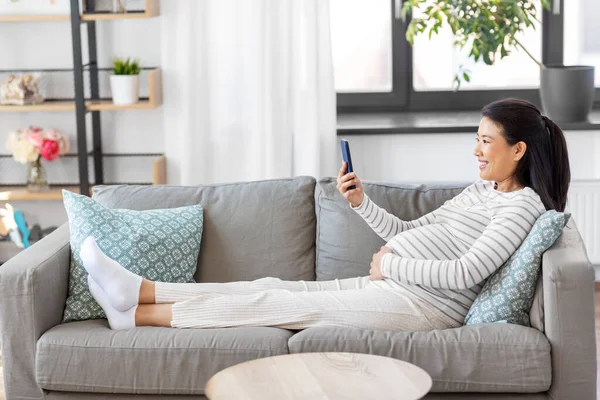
[
  {"x": 489, "y": 29},
  {"x": 125, "y": 81}
]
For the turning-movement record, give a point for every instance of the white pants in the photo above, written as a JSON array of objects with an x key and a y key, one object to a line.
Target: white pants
[{"x": 353, "y": 302}]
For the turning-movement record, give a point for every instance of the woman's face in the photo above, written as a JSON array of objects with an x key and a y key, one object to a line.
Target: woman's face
[{"x": 497, "y": 159}]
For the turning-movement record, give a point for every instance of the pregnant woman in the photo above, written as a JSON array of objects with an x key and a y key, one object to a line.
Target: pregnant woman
[{"x": 426, "y": 276}]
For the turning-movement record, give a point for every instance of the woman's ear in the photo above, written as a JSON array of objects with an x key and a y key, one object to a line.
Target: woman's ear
[{"x": 519, "y": 149}]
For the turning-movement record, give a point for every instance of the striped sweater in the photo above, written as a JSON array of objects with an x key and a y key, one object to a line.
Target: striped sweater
[{"x": 444, "y": 257}]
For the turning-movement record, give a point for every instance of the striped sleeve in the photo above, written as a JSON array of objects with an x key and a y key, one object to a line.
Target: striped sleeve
[
  {"x": 500, "y": 239},
  {"x": 387, "y": 225}
]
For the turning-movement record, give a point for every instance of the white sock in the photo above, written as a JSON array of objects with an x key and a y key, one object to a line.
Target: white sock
[
  {"x": 116, "y": 319},
  {"x": 122, "y": 287}
]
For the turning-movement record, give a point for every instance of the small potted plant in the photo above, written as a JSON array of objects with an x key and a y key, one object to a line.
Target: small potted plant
[
  {"x": 490, "y": 29},
  {"x": 29, "y": 146},
  {"x": 125, "y": 81}
]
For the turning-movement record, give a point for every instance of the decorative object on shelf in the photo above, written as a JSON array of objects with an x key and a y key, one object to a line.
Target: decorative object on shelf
[
  {"x": 14, "y": 224},
  {"x": 7, "y": 216},
  {"x": 21, "y": 90},
  {"x": 14, "y": 228},
  {"x": 37, "y": 180},
  {"x": 491, "y": 30},
  {"x": 29, "y": 146},
  {"x": 125, "y": 81},
  {"x": 120, "y": 6}
]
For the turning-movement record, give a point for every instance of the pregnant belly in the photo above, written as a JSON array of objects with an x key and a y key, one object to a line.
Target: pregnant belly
[{"x": 430, "y": 242}]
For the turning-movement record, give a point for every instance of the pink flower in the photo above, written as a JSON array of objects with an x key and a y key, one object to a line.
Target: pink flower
[
  {"x": 62, "y": 141},
  {"x": 35, "y": 139},
  {"x": 50, "y": 149},
  {"x": 52, "y": 135}
]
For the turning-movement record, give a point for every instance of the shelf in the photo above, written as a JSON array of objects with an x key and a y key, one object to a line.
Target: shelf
[
  {"x": 98, "y": 102},
  {"x": 154, "y": 100},
  {"x": 12, "y": 193},
  {"x": 46, "y": 106},
  {"x": 151, "y": 10},
  {"x": 107, "y": 105},
  {"x": 9, "y": 193},
  {"x": 33, "y": 18}
]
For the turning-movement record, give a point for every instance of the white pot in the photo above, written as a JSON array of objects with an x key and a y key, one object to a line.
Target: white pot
[{"x": 125, "y": 89}]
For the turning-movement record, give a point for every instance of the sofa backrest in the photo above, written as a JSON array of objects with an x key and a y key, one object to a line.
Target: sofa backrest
[
  {"x": 251, "y": 229},
  {"x": 345, "y": 243}
]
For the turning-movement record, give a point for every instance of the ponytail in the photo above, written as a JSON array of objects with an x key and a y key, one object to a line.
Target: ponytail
[{"x": 558, "y": 160}]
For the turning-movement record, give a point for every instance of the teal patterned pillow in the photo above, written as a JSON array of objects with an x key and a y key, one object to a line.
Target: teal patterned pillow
[
  {"x": 508, "y": 294},
  {"x": 160, "y": 245}
]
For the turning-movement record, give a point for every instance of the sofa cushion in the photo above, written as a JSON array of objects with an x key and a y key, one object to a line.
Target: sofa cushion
[
  {"x": 88, "y": 356},
  {"x": 345, "y": 243},
  {"x": 475, "y": 358},
  {"x": 251, "y": 229},
  {"x": 508, "y": 294},
  {"x": 160, "y": 245}
]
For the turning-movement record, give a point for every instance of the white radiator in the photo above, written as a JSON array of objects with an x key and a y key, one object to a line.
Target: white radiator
[{"x": 583, "y": 202}]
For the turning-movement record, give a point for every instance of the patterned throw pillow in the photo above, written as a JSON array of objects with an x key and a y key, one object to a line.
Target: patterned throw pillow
[
  {"x": 160, "y": 245},
  {"x": 508, "y": 294}
]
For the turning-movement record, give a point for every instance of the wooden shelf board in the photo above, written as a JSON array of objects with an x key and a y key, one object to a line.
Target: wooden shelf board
[
  {"x": 114, "y": 16},
  {"x": 10, "y": 193},
  {"x": 107, "y": 105},
  {"x": 47, "y": 106},
  {"x": 33, "y": 18},
  {"x": 84, "y": 17},
  {"x": 96, "y": 105}
]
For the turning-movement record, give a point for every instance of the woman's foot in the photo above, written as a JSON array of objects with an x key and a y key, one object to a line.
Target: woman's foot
[
  {"x": 122, "y": 287},
  {"x": 116, "y": 319}
]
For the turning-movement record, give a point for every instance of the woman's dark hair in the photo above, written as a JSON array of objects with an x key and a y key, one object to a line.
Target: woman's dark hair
[{"x": 545, "y": 165}]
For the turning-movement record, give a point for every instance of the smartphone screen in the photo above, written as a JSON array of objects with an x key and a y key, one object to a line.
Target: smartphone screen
[{"x": 347, "y": 157}]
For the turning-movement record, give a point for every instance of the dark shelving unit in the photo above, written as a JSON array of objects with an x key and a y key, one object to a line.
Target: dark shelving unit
[{"x": 94, "y": 103}]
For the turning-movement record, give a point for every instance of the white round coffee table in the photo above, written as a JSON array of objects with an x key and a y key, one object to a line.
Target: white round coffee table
[{"x": 320, "y": 376}]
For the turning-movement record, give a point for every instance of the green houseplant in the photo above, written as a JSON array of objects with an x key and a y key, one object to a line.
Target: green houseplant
[
  {"x": 125, "y": 81},
  {"x": 488, "y": 29}
]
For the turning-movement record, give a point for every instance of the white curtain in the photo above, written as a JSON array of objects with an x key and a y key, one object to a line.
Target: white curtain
[{"x": 248, "y": 90}]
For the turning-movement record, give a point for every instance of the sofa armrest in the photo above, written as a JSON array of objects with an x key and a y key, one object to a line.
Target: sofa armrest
[
  {"x": 33, "y": 292},
  {"x": 569, "y": 316}
]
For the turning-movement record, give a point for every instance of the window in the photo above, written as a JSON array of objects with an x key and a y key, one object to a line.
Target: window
[
  {"x": 377, "y": 70},
  {"x": 367, "y": 54},
  {"x": 361, "y": 36},
  {"x": 436, "y": 62},
  {"x": 582, "y": 34}
]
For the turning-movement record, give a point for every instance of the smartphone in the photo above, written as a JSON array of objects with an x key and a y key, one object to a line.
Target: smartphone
[{"x": 346, "y": 157}]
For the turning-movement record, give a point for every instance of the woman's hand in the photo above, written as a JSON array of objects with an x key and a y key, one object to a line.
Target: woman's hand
[
  {"x": 375, "y": 271},
  {"x": 344, "y": 181}
]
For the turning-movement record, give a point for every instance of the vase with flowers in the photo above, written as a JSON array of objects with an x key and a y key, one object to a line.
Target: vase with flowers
[{"x": 29, "y": 146}]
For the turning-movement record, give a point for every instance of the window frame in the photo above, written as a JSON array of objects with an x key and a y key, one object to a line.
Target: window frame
[
  {"x": 398, "y": 97},
  {"x": 405, "y": 98}
]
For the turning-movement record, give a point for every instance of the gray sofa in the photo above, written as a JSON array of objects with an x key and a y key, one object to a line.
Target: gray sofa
[{"x": 292, "y": 229}]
